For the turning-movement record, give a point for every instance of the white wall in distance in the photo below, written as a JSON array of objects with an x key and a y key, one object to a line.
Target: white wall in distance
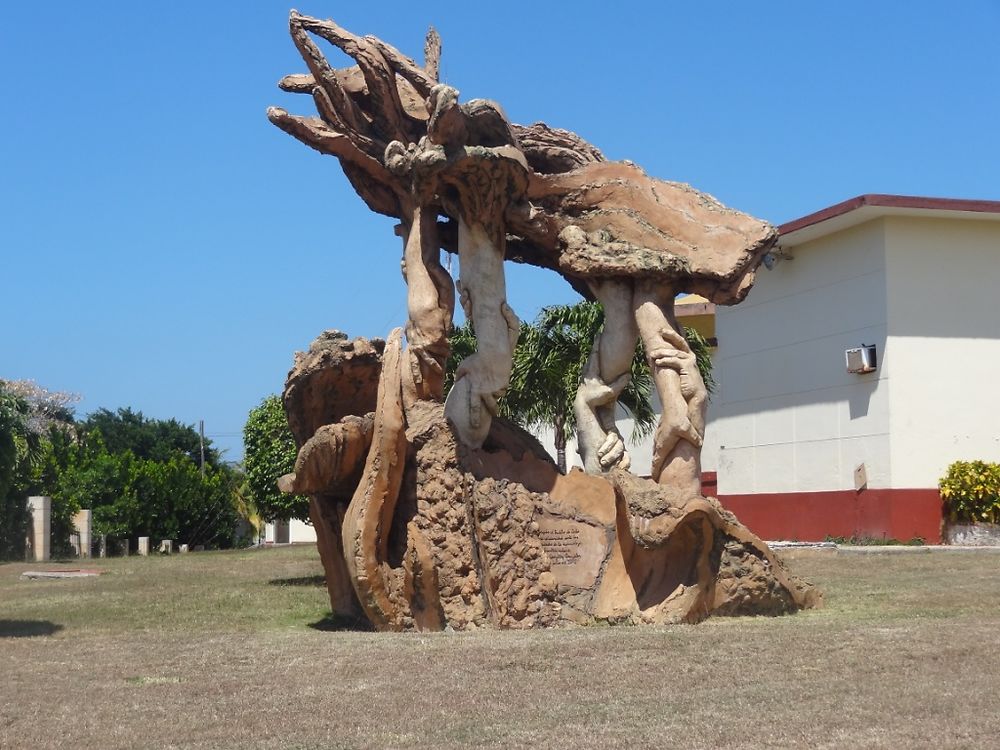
[
  {"x": 292, "y": 532},
  {"x": 944, "y": 329},
  {"x": 787, "y": 416}
]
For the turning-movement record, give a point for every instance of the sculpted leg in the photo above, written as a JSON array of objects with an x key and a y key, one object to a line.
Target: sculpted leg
[
  {"x": 681, "y": 432},
  {"x": 605, "y": 376},
  {"x": 430, "y": 300},
  {"x": 482, "y": 378}
]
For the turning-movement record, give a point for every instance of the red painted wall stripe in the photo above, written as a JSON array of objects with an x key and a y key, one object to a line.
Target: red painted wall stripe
[{"x": 813, "y": 516}]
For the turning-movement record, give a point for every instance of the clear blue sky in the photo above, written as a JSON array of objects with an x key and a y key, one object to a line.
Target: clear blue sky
[{"x": 162, "y": 246}]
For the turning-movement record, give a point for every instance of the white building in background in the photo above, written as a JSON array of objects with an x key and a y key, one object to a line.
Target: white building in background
[
  {"x": 289, "y": 532},
  {"x": 807, "y": 449}
]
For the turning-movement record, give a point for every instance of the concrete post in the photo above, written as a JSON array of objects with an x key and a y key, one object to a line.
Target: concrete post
[
  {"x": 41, "y": 526},
  {"x": 82, "y": 522},
  {"x": 144, "y": 546},
  {"x": 183, "y": 549},
  {"x": 166, "y": 546}
]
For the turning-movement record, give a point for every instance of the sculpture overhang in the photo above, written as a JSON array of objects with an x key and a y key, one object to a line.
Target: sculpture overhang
[
  {"x": 432, "y": 514},
  {"x": 634, "y": 225}
]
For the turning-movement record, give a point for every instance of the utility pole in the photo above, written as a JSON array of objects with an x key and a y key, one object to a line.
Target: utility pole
[{"x": 201, "y": 435}]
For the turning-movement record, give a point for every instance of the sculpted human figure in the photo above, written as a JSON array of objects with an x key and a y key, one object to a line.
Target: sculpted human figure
[
  {"x": 433, "y": 512},
  {"x": 681, "y": 431},
  {"x": 469, "y": 167},
  {"x": 642, "y": 309},
  {"x": 605, "y": 376}
]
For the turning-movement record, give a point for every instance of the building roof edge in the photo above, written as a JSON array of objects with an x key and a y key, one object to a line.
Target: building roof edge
[{"x": 881, "y": 200}]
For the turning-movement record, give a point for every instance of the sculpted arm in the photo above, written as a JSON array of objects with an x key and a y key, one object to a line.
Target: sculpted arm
[{"x": 606, "y": 374}]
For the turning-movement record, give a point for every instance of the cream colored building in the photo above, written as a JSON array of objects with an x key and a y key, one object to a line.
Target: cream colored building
[
  {"x": 294, "y": 531},
  {"x": 806, "y": 448}
]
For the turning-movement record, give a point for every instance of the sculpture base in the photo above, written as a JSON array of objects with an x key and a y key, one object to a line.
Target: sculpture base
[{"x": 439, "y": 536}]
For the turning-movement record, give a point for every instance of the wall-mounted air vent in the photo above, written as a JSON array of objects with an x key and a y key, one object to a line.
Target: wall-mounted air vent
[{"x": 862, "y": 359}]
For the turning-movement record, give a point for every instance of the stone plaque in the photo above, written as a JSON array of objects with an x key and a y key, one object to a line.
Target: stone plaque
[
  {"x": 561, "y": 544},
  {"x": 575, "y": 549}
]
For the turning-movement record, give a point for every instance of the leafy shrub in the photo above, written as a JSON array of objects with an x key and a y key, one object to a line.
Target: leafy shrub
[
  {"x": 971, "y": 492},
  {"x": 132, "y": 496},
  {"x": 269, "y": 453}
]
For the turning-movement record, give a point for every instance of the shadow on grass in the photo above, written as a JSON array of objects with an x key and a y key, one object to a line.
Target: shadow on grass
[
  {"x": 301, "y": 581},
  {"x": 27, "y": 628},
  {"x": 339, "y": 623}
]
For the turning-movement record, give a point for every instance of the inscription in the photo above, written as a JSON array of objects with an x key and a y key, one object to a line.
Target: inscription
[
  {"x": 575, "y": 550},
  {"x": 562, "y": 545}
]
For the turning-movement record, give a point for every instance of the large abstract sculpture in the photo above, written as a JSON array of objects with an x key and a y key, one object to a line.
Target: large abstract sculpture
[{"x": 433, "y": 513}]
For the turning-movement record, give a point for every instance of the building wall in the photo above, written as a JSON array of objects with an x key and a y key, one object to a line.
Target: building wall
[
  {"x": 787, "y": 416},
  {"x": 291, "y": 532},
  {"x": 944, "y": 329}
]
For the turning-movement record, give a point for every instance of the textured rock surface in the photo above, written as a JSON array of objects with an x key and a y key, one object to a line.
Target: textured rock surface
[
  {"x": 437, "y": 534},
  {"x": 973, "y": 534},
  {"x": 336, "y": 379},
  {"x": 610, "y": 219}
]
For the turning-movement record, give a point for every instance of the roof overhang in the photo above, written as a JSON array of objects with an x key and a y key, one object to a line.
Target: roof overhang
[{"x": 873, "y": 206}]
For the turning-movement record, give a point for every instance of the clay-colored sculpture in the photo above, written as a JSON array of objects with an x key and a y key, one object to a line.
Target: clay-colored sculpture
[{"x": 433, "y": 513}]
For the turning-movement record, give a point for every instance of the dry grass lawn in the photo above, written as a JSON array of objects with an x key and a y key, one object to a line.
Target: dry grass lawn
[{"x": 229, "y": 650}]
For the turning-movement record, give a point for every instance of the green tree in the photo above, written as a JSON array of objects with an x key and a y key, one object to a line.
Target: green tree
[
  {"x": 48, "y": 428},
  {"x": 132, "y": 496},
  {"x": 20, "y": 448},
  {"x": 153, "y": 439},
  {"x": 269, "y": 452},
  {"x": 548, "y": 362},
  {"x": 140, "y": 476}
]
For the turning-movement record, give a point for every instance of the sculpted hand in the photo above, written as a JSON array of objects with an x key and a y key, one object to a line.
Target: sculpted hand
[
  {"x": 595, "y": 392},
  {"x": 485, "y": 387},
  {"x": 676, "y": 355},
  {"x": 612, "y": 453},
  {"x": 513, "y": 324},
  {"x": 464, "y": 299},
  {"x": 679, "y": 357},
  {"x": 592, "y": 395}
]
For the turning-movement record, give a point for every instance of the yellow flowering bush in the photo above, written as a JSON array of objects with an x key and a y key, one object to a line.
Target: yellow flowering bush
[{"x": 971, "y": 491}]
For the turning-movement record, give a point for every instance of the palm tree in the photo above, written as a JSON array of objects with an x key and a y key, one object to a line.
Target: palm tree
[{"x": 548, "y": 362}]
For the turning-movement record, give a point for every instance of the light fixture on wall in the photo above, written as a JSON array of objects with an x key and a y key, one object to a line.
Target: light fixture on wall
[
  {"x": 775, "y": 256},
  {"x": 862, "y": 359}
]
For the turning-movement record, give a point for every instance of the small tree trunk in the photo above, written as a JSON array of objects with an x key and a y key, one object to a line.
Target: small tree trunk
[{"x": 560, "y": 441}]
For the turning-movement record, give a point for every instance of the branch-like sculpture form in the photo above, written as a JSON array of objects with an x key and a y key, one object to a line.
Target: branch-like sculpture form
[
  {"x": 431, "y": 514},
  {"x": 414, "y": 152}
]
